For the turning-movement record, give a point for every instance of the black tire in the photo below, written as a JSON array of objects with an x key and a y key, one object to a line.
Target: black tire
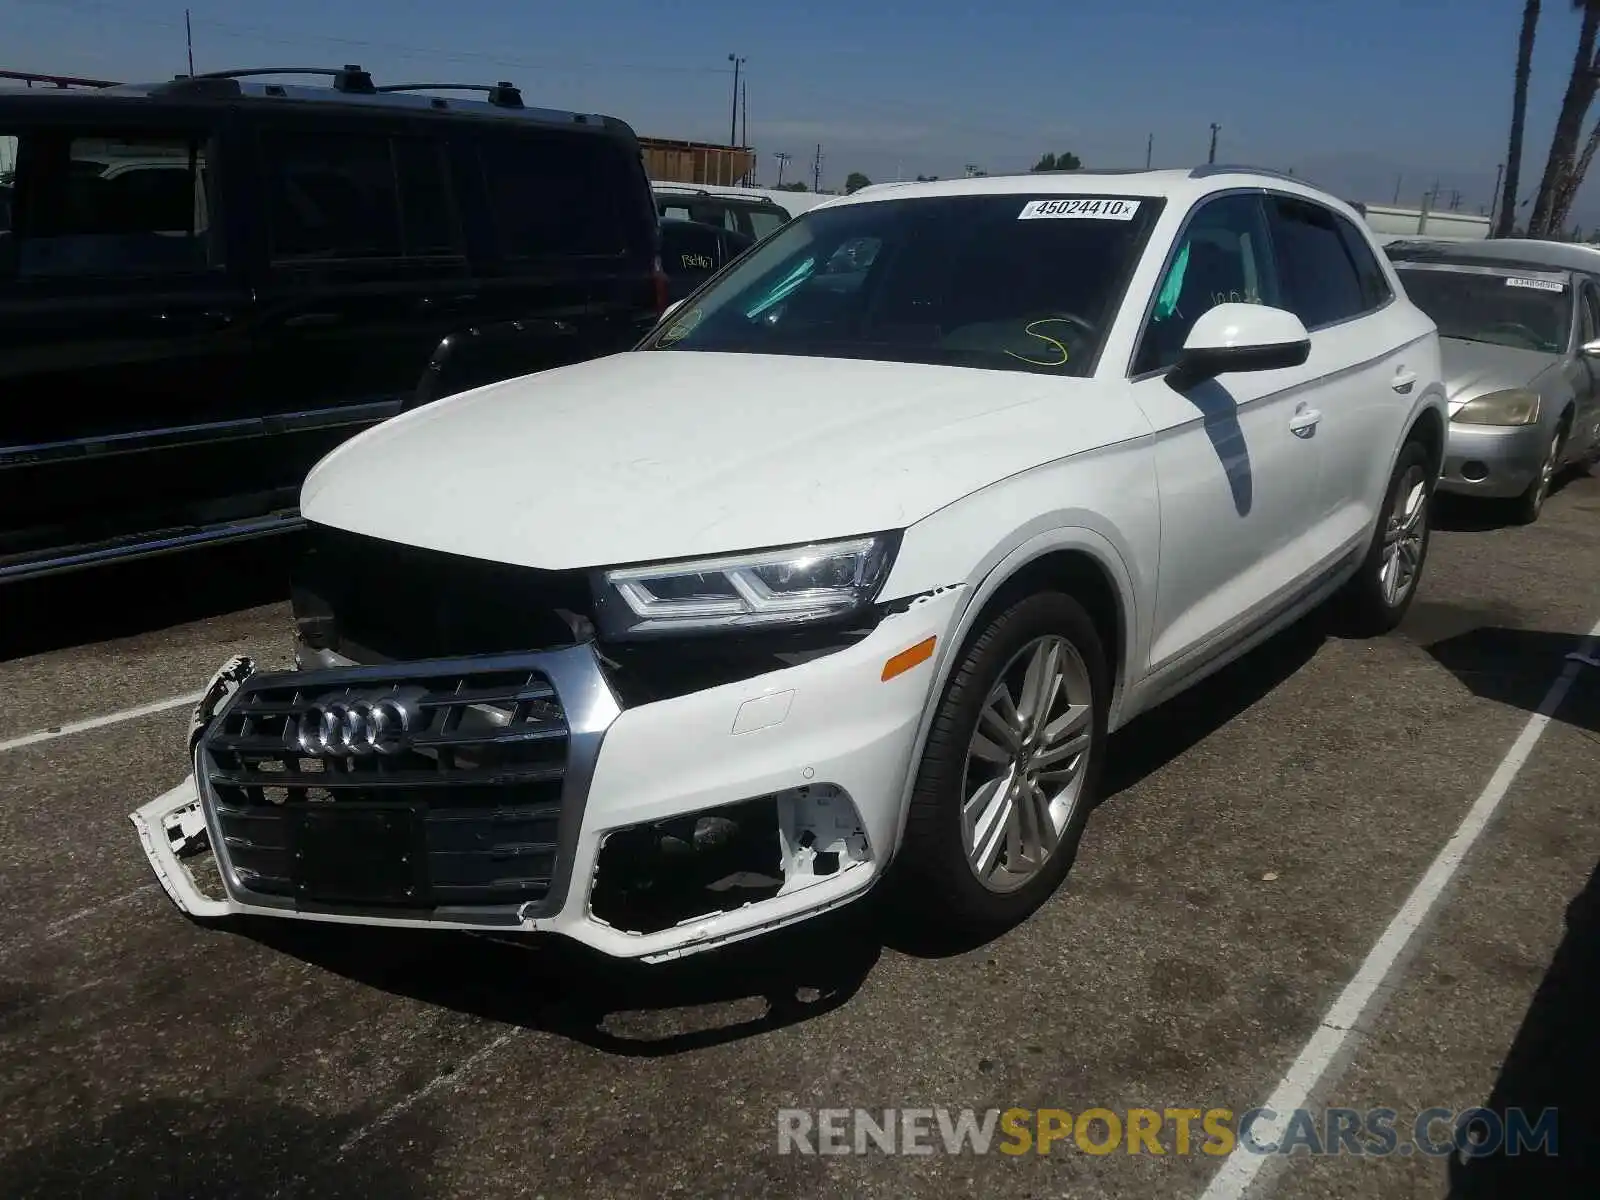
[
  {"x": 1364, "y": 607},
  {"x": 1525, "y": 509},
  {"x": 933, "y": 875}
]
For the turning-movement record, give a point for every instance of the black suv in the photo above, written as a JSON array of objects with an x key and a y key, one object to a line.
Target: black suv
[{"x": 209, "y": 283}]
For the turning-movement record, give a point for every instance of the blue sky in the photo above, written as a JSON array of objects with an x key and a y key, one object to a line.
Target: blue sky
[{"x": 1350, "y": 94}]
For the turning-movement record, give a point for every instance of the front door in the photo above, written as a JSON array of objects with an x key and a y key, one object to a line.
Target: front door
[
  {"x": 123, "y": 337},
  {"x": 1238, "y": 461}
]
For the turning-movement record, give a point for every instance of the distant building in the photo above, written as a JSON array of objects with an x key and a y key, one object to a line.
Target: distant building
[{"x": 696, "y": 162}]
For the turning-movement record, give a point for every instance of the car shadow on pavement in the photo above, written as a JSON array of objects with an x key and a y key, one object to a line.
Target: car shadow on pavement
[
  {"x": 1554, "y": 1063},
  {"x": 1518, "y": 666},
  {"x": 1153, "y": 739},
  {"x": 621, "y": 1007},
  {"x": 180, "y": 1148},
  {"x": 127, "y": 599}
]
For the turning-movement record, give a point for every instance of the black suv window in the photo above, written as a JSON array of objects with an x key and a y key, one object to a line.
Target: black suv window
[
  {"x": 1320, "y": 282},
  {"x": 343, "y": 196},
  {"x": 559, "y": 195},
  {"x": 98, "y": 204}
]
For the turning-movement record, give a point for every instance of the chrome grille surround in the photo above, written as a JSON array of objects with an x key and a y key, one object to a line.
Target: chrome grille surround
[{"x": 488, "y": 761}]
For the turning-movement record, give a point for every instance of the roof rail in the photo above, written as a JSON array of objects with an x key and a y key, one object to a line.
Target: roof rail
[
  {"x": 57, "y": 81},
  {"x": 502, "y": 94},
  {"x": 1211, "y": 169},
  {"x": 350, "y": 78}
]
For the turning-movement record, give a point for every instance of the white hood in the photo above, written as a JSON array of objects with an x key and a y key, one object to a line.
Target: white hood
[{"x": 663, "y": 454}]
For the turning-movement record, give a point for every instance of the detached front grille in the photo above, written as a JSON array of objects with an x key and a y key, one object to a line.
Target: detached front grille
[{"x": 418, "y": 786}]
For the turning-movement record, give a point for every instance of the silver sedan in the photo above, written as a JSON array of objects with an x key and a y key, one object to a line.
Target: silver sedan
[{"x": 1521, "y": 349}]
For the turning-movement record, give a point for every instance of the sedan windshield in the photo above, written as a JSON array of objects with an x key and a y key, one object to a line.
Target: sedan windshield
[
  {"x": 1499, "y": 307},
  {"x": 1007, "y": 282}
]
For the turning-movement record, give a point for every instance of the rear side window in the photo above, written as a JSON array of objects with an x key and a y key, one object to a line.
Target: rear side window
[
  {"x": 102, "y": 203},
  {"x": 563, "y": 196},
  {"x": 358, "y": 196},
  {"x": 1320, "y": 282},
  {"x": 1375, "y": 290}
]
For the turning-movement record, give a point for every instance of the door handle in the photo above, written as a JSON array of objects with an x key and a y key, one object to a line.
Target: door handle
[
  {"x": 1403, "y": 381},
  {"x": 1304, "y": 423}
]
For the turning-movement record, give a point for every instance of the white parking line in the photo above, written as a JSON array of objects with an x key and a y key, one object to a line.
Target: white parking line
[
  {"x": 448, "y": 1079},
  {"x": 116, "y": 718},
  {"x": 1233, "y": 1180}
]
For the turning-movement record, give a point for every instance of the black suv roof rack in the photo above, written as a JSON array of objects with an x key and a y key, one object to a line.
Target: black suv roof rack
[
  {"x": 349, "y": 78},
  {"x": 502, "y": 94},
  {"x": 57, "y": 81}
]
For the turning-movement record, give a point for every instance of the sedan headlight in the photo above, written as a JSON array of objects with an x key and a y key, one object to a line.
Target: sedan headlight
[
  {"x": 1515, "y": 406},
  {"x": 766, "y": 588}
]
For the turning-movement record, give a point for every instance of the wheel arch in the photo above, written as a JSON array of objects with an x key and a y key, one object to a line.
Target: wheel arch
[{"x": 1079, "y": 562}]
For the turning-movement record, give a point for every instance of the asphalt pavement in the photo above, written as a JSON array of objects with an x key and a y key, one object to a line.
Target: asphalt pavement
[{"x": 1257, "y": 840}]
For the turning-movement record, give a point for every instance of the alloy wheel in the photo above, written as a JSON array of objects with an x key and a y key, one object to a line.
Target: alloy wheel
[
  {"x": 1401, "y": 560},
  {"x": 1026, "y": 763}
]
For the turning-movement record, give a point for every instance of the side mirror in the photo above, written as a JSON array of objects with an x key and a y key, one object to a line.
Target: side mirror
[{"x": 1242, "y": 337}]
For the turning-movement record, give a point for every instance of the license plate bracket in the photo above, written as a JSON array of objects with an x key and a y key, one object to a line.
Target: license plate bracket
[{"x": 347, "y": 853}]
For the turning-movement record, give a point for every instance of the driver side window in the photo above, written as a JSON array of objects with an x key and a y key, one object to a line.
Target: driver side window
[
  {"x": 1223, "y": 256},
  {"x": 1589, "y": 316}
]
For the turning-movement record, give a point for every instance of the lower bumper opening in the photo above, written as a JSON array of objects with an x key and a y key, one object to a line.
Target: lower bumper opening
[{"x": 652, "y": 877}]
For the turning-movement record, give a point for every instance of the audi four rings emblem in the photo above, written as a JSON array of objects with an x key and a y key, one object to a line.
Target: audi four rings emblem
[{"x": 357, "y": 725}]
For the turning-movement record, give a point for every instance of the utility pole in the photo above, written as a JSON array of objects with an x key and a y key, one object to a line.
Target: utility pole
[
  {"x": 188, "y": 40},
  {"x": 1149, "y": 150},
  {"x": 1398, "y": 179},
  {"x": 733, "y": 119},
  {"x": 816, "y": 170},
  {"x": 783, "y": 157},
  {"x": 744, "y": 122},
  {"x": 1215, "y": 129},
  {"x": 1494, "y": 199}
]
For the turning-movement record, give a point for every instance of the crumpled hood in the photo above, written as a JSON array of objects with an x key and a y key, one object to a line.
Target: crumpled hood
[
  {"x": 1473, "y": 369},
  {"x": 658, "y": 454}
]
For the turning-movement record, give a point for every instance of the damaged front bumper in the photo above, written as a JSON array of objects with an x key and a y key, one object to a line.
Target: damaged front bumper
[{"x": 515, "y": 794}]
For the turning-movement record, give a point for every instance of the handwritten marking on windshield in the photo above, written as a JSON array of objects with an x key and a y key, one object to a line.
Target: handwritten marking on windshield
[{"x": 1047, "y": 339}]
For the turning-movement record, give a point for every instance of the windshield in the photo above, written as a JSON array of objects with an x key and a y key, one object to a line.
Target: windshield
[
  {"x": 1007, "y": 282},
  {"x": 1502, "y": 308}
]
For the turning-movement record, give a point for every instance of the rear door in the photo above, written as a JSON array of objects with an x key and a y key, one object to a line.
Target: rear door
[
  {"x": 1367, "y": 351},
  {"x": 363, "y": 269},
  {"x": 123, "y": 329},
  {"x": 570, "y": 242}
]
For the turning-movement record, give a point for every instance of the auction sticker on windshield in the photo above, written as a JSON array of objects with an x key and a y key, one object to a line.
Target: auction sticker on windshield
[
  {"x": 1543, "y": 285},
  {"x": 1091, "y": 208}
]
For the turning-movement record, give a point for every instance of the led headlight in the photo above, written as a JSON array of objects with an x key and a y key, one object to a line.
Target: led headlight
[
  {"x": 1515, "y": 406},
  {"x": 760, "y": 589}
]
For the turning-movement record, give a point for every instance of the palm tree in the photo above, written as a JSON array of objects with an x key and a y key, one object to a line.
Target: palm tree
[
  {"x": 1569, "y": 123},
  {"x": 1519, "y": 114},
  {"x": 1574, "y": 180}
]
